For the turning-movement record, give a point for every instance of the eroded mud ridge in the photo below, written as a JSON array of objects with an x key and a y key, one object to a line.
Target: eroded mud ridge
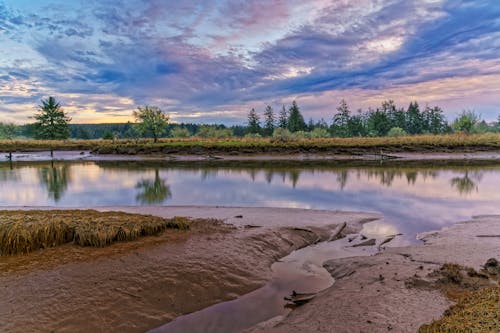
[
  {"x": 142, "y": 284},
  {"x": 401, "y": 288}
]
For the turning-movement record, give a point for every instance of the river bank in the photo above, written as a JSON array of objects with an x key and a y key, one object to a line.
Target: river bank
[
  {"x": 418, "y": 157},
  {"x": 248, "y": 147},
  {"x": 138, "y": 285}
]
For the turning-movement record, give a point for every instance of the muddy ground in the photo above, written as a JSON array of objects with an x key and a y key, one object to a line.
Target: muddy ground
[
  {"x": 139, "y": 285},
  {"x": 298, "y": 156},
  {"x": 390, "y": 291}
]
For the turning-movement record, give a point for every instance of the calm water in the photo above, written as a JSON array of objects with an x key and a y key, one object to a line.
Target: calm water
[{"x": 412, "y": 199}]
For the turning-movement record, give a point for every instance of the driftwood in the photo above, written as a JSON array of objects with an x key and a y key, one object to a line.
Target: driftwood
[
  {"x": 369, "y": 242},
  {"x": 251, "y": 226},
  {"x": 303, "y": 229},
  {"x": 387, "y": 240},
  {"x": 299, "y": 298},
  {"x": 336, "y": 232}
]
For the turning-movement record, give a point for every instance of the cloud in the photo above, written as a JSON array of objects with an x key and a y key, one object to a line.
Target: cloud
[{"x": 201, "y": 58}]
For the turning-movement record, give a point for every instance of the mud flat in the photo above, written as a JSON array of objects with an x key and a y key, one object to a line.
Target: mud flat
[
  {"x": 139, "y": 285},
  {"x": 86, "y": 155},
  {"x": 392, "y": 291}
]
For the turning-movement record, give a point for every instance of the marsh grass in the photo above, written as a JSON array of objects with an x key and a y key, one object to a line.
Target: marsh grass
[
  {"x": 27, "y": 231},
  {"x": 477, "y": 297},
  {"x": 476, "y": 312},
  {"x": 414, "y": 143}
]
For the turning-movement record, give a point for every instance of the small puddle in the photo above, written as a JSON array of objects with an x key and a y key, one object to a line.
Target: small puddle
[{"x": 302, "y": 271}]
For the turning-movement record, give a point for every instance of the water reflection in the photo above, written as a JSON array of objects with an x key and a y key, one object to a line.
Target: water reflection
[
  {"x": 55, "y": 179},
  {"x": 8, "y": 173},
  {"x": 412, "y": 198},
  {"x": 467, "y": 183},
  {"x": 153, "y": 191}
]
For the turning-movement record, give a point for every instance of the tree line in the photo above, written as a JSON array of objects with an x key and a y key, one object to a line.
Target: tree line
[
  {"x": 386, "y": 120},
  {"x": 51, "y": 123}
]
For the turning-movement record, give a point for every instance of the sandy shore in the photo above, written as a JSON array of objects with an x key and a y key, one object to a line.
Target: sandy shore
[
  {"x": 373, "y": 294},
  {"x": 87, "y": 156},
  {"x": 139, "y": 285}
]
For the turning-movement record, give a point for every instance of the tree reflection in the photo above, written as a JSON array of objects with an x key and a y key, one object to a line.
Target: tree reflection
[
  {"x": 342, "y": 178},
  {"x": 467, "y": 183},
  {"x": 8, "y": 174},
  {"x": 55, "y": 179},
  {"x": 294, "y": 177},
  {"x": 153, "y": 191}
]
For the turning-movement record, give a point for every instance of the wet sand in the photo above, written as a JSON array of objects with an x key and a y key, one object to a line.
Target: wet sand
[
  {"x": 373, "y": 294},
  {"x": 87, "y": 156},
  {"x": 140, "y": 285}
]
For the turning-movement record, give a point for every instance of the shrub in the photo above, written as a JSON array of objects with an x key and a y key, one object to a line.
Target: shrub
[
  {"x": 282, "y": 134},
  {"x": 207, "y": 131},
  {"x": 319, "y": 132},
  {"x": 396, "y": 131},
  {"x": 180, "y": 132},
  {"x": 466, "y": 121}
]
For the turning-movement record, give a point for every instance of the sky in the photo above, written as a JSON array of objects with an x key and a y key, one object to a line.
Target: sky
[{"x": 212, "y": 61}]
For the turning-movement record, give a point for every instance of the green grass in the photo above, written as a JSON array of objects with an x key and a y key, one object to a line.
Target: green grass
[
  {"x": 417, "y": 143},
  {"x": 26, "y": 231}
]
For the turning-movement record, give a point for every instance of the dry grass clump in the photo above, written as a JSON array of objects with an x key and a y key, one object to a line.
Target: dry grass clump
[
  {"x": 477, "y": 312},
  {"x": 26, "y": 231}
]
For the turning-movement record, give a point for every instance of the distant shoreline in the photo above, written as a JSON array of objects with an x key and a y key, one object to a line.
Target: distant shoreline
[{"x": 359, "y": 147}]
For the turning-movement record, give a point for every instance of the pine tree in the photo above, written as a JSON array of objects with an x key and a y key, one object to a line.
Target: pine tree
[
  {"x": 269, "y": 121},
  {"x": 341, "y": 120},
  {"x": 395, "y": 116},
  {"x": 310, "y": 125},
  {"x": 377, "y": 123},
  {"x": 295, "y": 120},
  {"x": 253, "y": 122},
  {"x": 434, "y": 121},
  {"x": 356, "y": 125},
  {"x": 414, "y": 119},
  {"x": 283, "y": 118},
  {"x": 51, "y": 121}
]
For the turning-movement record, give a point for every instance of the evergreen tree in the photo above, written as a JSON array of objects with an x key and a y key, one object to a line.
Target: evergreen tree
[
  {"x": 283, "y": 118},
  {"x": 310, "y": 125},
  {"x": 414, "y": 119},
  {"x": 395, "y": 116},
  {"x": 51, "y": 121},
  {"x": 269, "y": 120},
  {"x": 321, "y": 124},
  {"x": 377, "y": 123},
  {"x": 253, "y": 122},
  {"x": 434, "y": 121},
  {"x": 341, "y": 120},
  {"x": 295, "y": 120},
  {"x": 356, "y": 125}
]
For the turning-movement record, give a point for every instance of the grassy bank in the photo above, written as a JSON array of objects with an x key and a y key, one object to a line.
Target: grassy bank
[
  {"x": 25, "y": 231},
  {"x": 241, "y": 146}
]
